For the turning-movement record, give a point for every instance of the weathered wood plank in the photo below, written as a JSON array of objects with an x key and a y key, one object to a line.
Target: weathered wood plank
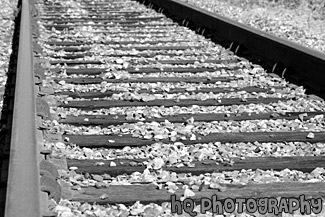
[
  {"x": 154, "y": 32},
  {"x": 119, "y": 24},
  {"x": 102, "y": 22},
  {"x": 74, "y": 43},
  {"x": 196, "y": 80},
  {"x": 104, "y": 19},
  {"x": 182, "y": 69},
  {"x": 129, "y": 194},
  {"x": 99, "y": 18},
  {"x": 83, "y": 55},
  {"x": 123, "y": 166},
  {"x": 55, "y": 14},
  {"x": 192, "y": 61},
  {"x": 98, "y": 94},
  {"x": 175, "y": 62},
  {"x": 71, "y": 49},
  {"x": 70, "y": 56},
  {"x": 99, "y": 104},
  {"x": 97, "y": 71},
  {"x": 140, "y": 48},
  {"x": 77, "y": 62},
  {"x": 121, "y": 141},
  {"x": 107, "y": 120},
  {"x": 52, "y": 14}
]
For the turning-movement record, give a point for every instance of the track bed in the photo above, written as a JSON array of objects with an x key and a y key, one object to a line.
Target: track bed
[{"x": 136, "y": 108}]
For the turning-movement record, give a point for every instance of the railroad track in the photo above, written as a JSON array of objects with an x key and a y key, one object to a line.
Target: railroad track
[{"x": 130, "y": 105}]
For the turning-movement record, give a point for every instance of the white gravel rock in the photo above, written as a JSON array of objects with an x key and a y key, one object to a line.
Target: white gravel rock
[
  {"x": 298, "y": 24},
  {"x": 8, "y": 12}
]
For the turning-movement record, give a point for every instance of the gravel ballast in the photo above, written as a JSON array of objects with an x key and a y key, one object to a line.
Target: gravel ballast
[
  {"x": 300, "y": 21},
  {"x": 8, "y": 11},
  {"x": 117, "y": 63}
]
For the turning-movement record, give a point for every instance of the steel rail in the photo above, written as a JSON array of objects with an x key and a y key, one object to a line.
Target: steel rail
[
  {"x": 308, "y": 63},
  {"x": 23, "y": 188}
]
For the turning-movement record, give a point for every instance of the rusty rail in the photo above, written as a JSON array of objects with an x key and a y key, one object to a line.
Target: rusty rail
[
  {"x": 23, "y": 189},
  {"x": 302, "y": 65}
]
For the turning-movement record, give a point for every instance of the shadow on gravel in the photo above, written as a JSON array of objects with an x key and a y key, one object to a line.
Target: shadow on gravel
[{"x": 7, "y": 113}]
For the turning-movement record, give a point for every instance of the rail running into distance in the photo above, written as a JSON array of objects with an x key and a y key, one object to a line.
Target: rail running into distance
[
  {"x": 33, "y": 173},
  {"x": 23, "y": 188}
]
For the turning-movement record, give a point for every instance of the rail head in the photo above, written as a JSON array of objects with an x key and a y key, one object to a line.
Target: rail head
[{"x": 23, "y": 188}]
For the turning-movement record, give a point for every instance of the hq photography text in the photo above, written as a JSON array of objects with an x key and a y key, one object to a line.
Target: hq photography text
[{"x": 249, "y": 205}]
